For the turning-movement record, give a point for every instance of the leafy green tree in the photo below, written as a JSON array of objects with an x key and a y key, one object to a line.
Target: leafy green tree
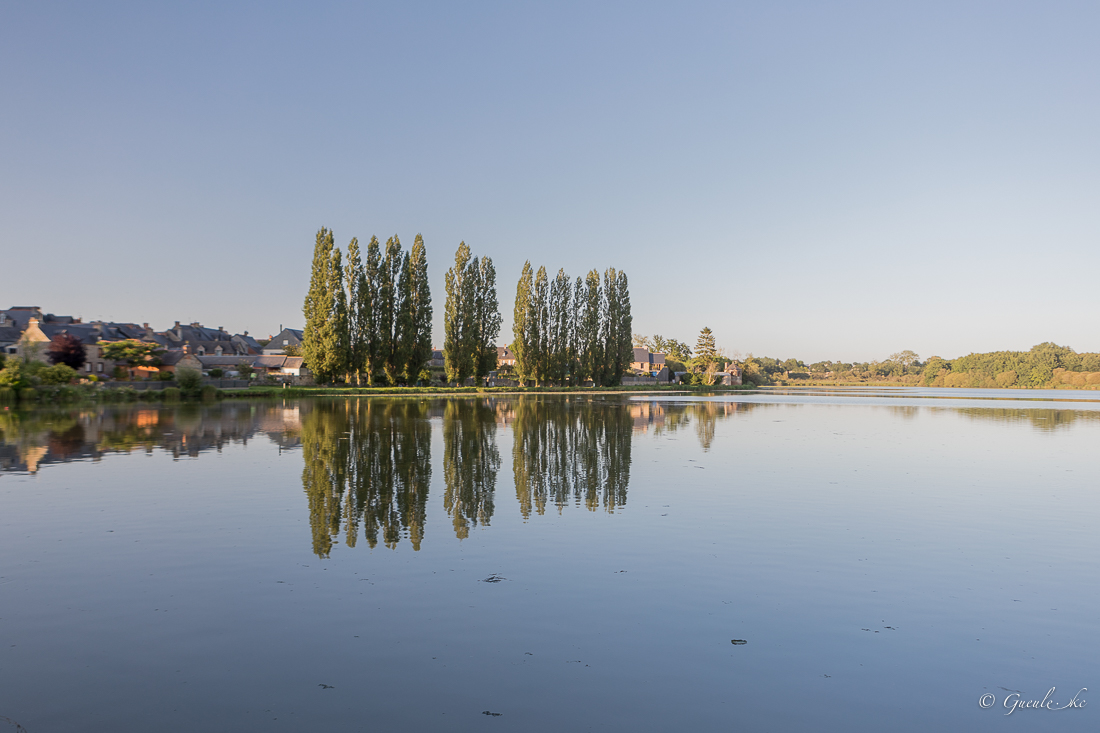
[
  {"x": 13, "y": 375},
  {"x": 590, "y": 317},
  {"x": 358, "y": 315},
  {"x": 486, "y": 318},
  {"x": 619, "y": 350},
  {"x": 678, "y": 351},
  {"x": 906, "y": 359},
  {"x": 390, "y": 353},
  {"x": 369, "y": 310},
  {"x": 417, "y": 312},
  {"x": 318, "y": 309},
  {"x": 561, "y": 325},
  {"x": 458, "y": 318},
  {"x": 525, "y": 358},
  {"x": 132, "y": 352},
  {"x": 338, "y": 352},
  {"x": 538, "y": 321},
  {"x": 189, "y": 381}
]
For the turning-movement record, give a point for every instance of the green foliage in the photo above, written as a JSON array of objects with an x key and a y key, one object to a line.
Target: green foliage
[
  {"x": 458, "y": 318},
  {"x": 933, "y": 369},
  {"x": 318, "y": 336},
  {"x": 245, "y": 369},
  {"x": 189, "y": 381},
  {"x": 171, "y": 394},
  {"x": 14, "y": 375},
  {"x": 164, "y": 376},
  {"x": 524, "y": 366},
  {"x": 132, "y": 351},
  {"x": 471, "y": 318},
  {"x": 416, "y": 309},
  {"x": 7, "y": 395},
  {"x": 120, "y": 372},
  {"x": 486, "y": 322},
  {"x": 57, "y": 374},
  {"x": 28, "y": 394},
  {"x": 216, "y": 373},
  {"x": 209, "y": 393}
]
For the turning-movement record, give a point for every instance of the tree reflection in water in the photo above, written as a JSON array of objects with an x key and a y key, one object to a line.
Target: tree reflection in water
[
  {"x": 367, "y": 463},
  {"x": 470, "y": 462},
  {"x": 571, "y": 451}
]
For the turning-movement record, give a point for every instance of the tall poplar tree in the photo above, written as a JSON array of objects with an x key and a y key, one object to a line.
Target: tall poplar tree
[
  {"x": 487, "y": 319},
  {"x": 358, "y": 315},
  {"x": 538, "y": 320},
  {"x": 389, "y": 300},
  {"x": 370, "y": 298},
  {"x": 418, "y": 306},
  {"x": 592, "y": 362},
  {"x": 318, "y": 307},
  {"x": 560, "y": 314},
  {"x": 617, "y": 337},
  {"x": 457, "y": 319},
  {"x": 520, "y": 328},
  {"x": 337, "y": 345},
  {"x": 576, "y": 345}
]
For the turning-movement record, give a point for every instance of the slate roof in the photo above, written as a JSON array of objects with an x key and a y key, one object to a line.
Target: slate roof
[{"x": 9, "y": 334}]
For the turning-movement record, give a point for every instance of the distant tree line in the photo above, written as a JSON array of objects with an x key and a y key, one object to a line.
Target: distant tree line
[
  {"x": 569, "y": 332},
  {"x": 370, "y": 320}
]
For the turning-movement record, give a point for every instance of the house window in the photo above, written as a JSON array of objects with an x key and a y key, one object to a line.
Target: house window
[
  {"x": 218, "y": 350},
  {"x": 99, "y": 367},
  {"x": 286, "y": 342},
  {"x": 201, "y": 351}
]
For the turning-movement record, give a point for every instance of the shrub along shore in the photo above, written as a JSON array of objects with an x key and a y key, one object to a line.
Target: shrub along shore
[{"x": 61, "y": 394}]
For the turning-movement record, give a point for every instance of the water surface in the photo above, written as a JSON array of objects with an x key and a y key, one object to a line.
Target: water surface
[{"x": 888, "y": 557}]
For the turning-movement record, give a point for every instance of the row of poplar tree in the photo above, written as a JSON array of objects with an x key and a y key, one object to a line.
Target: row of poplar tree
[
  {"x": 371, "y": 319},
  {"x": 568, "y": 332}
]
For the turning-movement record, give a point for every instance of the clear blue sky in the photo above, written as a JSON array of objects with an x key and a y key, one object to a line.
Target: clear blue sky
[{"x": 820, "y": 180}]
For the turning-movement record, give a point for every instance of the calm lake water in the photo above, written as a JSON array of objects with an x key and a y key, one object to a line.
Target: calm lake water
[{"x": 551, "y": 563}]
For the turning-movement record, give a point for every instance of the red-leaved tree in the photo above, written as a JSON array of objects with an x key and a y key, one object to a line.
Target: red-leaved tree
[{"x": 66, "y": 349}]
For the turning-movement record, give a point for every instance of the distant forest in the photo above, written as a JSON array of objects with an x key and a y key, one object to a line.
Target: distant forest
[{"x": 1046, "y": 365}]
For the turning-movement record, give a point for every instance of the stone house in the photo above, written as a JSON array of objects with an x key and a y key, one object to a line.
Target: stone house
[
  {"x": 646, "y": 361},
  {"x": 286, "y": 337}
]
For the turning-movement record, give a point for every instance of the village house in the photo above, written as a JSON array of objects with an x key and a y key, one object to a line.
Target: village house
[
  {"x": 35, "y": 340},
  {"x": 646, "y": 361},
  {"x": 505, "y": 357},
  {"x": 204, "y": 341},
  {"x": 286, "y": 337}
]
